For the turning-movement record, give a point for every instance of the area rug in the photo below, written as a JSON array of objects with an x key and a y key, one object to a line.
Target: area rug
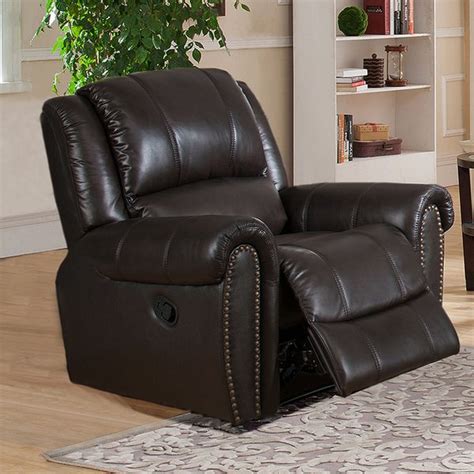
[{"x": 422, "y": 421}]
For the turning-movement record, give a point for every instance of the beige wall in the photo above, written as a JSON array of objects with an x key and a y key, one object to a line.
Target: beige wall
[
  {"x": 451, "y": 110},
  {"x": 25, "y": 184}
]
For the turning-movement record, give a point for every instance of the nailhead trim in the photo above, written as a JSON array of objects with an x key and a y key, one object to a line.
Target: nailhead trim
[
  {"x": 441, "y": 244},
  {"x": 226, "y": 319}
]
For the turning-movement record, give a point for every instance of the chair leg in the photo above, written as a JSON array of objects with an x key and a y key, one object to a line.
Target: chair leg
[
  {"x": 468, "y": 246},
  {"x": 466, "y": 218}
]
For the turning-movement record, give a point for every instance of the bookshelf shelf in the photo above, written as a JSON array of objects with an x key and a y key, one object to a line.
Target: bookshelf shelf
[
  {"x": 381, "y": 90},
  {"x": 410, "y": 167},
  {"x": 381, "y": 37},
  {"x": 319, "y": 49},
  {"x": 406, "y": 154}
]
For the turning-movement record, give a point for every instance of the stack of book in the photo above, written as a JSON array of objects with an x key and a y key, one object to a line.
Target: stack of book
[
  {"x": 345, "y": 138},
  {"x": 390, "y": 17},
  {"x": 351, "y": 80}
]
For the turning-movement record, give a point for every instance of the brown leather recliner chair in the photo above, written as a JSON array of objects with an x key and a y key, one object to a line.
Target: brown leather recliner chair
[{"x": 197, "y": 278}]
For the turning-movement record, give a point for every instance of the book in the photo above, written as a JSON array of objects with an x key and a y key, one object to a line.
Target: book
[
  {"x": 353, "y": 89},
  {"x": 349, "y": 80},
  {"x": 340, "y": 138},
  {"x": 351, "y": 85},
  {"x": 404, "y": 20},
  {"x": 411, "y": 17},
  {"x": 345, "y": 137},
  {"x": 378, "y": 12},
  {"x": 392, "y": 17},
  {"x": 351, "y": 72},
  {"x": 348, "y": 134},
  {"x": 397, "y": 15}
]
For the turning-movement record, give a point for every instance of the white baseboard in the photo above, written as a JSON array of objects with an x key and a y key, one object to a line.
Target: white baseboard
[
  {"x": 30, "y": 233},
  {"x": 447, "y": 170}
]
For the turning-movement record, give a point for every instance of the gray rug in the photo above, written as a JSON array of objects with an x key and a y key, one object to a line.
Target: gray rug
[{"x": 418, "y": 422}]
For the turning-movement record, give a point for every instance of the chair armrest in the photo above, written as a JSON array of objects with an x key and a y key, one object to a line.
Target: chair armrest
[
  {"x": 342, "y": 206},
  {"x": 190, "y": 250}
]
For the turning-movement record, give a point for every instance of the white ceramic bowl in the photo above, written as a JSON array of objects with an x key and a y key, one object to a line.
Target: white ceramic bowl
[{"x": 467, "y": 146}]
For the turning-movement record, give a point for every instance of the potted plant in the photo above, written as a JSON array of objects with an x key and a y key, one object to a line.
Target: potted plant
[{"x": 113, "y": 38}]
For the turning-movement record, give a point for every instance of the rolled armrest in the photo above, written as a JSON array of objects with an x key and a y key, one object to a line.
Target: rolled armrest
[
  {"x": 173, "y": 250},
  {"x": 342, "y": 206}
]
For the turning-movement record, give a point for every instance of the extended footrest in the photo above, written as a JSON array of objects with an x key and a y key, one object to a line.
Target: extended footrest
[{"x": 370, "y": 315}]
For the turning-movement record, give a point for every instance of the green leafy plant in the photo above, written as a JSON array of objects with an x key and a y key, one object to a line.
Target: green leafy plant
[
  {"x": 353, "y": 21},
  {"x": 104, "y": 38}
]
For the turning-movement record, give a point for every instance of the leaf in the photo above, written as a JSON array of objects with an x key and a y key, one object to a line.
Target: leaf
[
  {"x": 123, "y": 36},
  {"x": 141, "y": 55},
  {"x": 196, "y": 55},
  {"x": 100, "y": 38}
]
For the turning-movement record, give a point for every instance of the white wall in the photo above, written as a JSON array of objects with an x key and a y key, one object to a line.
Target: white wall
[
  {"x": 263, "y": 58},
  {"x": 260, "y": 54},
  {"x": 451, "y": 90}
]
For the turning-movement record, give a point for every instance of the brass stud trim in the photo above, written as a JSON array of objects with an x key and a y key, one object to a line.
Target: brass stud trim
[
  {"x": 226, "y": 326},
  {"x": 429, "y": 209}
]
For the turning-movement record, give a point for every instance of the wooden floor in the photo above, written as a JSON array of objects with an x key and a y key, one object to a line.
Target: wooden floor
[{"x": 41, "y": 410}]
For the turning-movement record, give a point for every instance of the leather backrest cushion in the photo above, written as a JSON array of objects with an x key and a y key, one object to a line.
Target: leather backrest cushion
[
  {"x": 85, "y": 180},
  {"x": 253, "y": 197},
  {"x": 169, "y": 128},
  {"x": 276, "y": 170}
]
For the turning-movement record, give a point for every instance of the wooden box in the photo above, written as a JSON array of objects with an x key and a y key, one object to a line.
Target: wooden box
[
  {"x": 371, "y": 131},
  {"x": 366, "y": 149}
]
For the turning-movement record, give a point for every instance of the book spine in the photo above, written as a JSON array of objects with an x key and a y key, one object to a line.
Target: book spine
[
  {"x": 346, "y": 139},
  {"x": 340, "y": 153},
  {"x": 350, "y": 136},
  {"x": 397, "y": 16},
  {"x": 349, "y": 80},
  {"x": 378, "y": 12},
  {"x": 405, "y": 17},
  {"x": 392, "y": 17},
  {"x": 411, "y": 17},
  {"x": 349, "y": 86}
]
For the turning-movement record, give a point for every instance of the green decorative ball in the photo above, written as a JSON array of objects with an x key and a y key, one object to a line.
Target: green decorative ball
[{"x": 353, "y": 21}]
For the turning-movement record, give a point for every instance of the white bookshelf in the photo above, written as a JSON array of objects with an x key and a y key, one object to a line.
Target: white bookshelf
[{"x": 319, "y": 49}]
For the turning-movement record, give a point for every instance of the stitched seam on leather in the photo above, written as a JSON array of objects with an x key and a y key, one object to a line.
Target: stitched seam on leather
[
  {"x": 424, "y": 327},
  {"x": 372, "y": 349},
  {"x": 307, "y": 205},
  {"x": 274, "y": 176},
  {"x": 120, "y": 245},
  {"x": 396, "y": 272},
  {"x": 171, "y": 134},
  {"x": 426, "y": 197},
  {"x": 69, "y": 166},
  {"x": 356, "y": 208},
  {"x": 337, "y": 279},
  {"x": 166, "y": 254},
  {"x": 231, "y": 121},
  {"x": 418, "y": 217}
]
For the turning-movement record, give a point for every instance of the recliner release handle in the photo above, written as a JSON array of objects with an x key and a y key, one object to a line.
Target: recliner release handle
[{"x": 165, "y": 311}]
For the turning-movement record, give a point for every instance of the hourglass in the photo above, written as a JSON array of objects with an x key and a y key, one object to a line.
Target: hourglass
[{"x": 395, "y": 73}]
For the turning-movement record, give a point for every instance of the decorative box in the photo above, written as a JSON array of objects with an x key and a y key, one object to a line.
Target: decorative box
[
  {"x": 371, "y": 131},
  {"x": 365, "y": 149}
]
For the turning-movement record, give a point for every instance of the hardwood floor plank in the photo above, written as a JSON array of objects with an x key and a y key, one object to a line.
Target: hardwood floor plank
[{"x": 41, "y": 410}]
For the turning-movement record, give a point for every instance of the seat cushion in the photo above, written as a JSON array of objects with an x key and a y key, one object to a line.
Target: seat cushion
[{"x": 341, "y": 276}]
